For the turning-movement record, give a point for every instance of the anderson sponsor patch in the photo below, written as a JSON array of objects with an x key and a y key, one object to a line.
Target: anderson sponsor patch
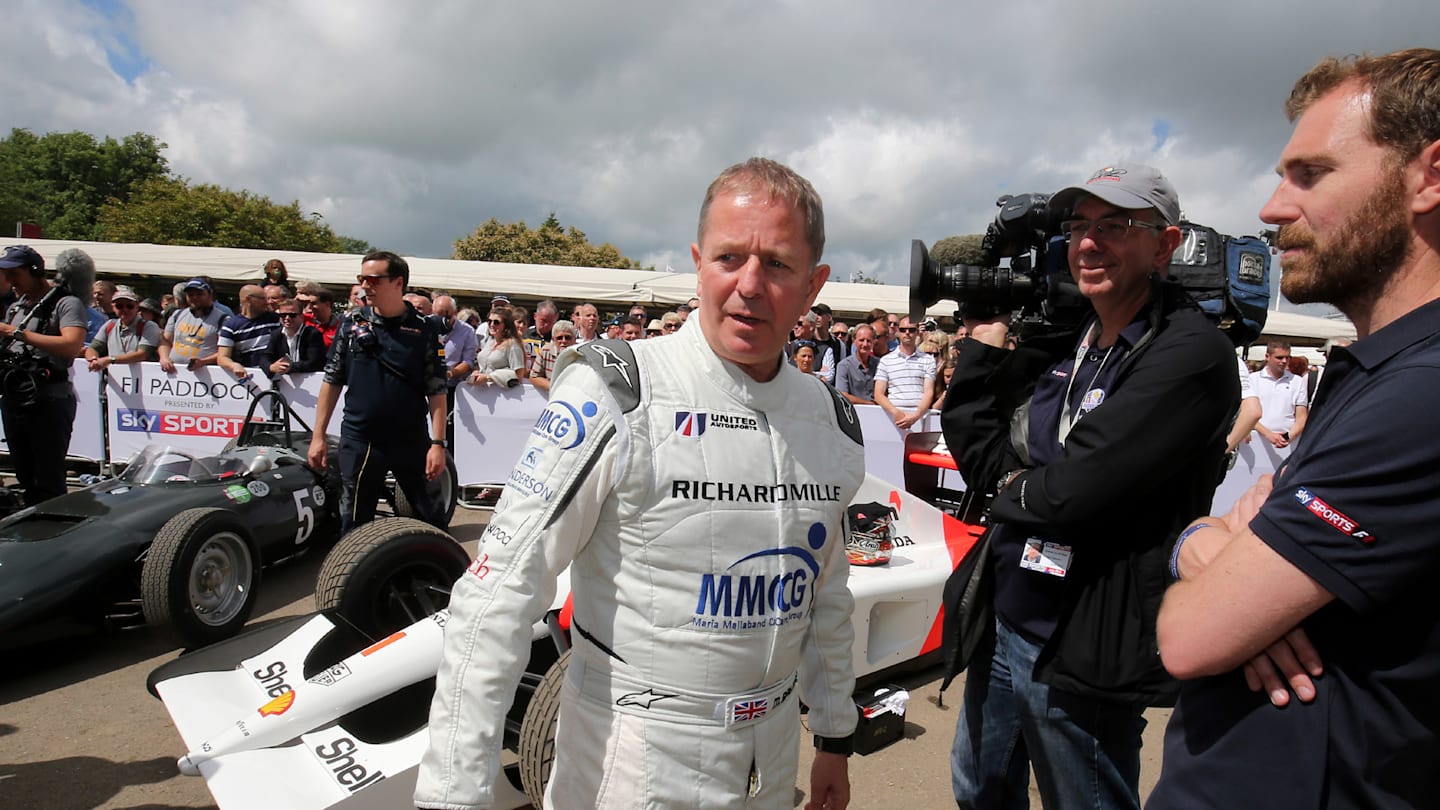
[{"x": 1331, "y": 515}]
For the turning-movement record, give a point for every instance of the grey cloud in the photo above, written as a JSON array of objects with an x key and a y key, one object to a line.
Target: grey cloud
[{"x": 409, "y": 124}]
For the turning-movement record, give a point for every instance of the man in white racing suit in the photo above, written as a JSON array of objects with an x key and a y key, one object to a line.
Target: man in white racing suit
[{"x": 698, "y": 483}]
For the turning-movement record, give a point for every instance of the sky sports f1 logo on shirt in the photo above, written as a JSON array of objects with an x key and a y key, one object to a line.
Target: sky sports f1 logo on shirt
[
  {"x": 176, "y": 423},
  {"x": 1331, "y": 515}
]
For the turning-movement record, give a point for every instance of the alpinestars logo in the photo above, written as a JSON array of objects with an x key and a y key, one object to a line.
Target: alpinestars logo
[
  {"x": 609, "y": 359},
  {"x": 1331, "y": 515},
  {"x": 642, "y": 700}
]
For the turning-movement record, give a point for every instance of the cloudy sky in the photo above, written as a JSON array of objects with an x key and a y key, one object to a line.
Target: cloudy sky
[{"x": 409, "y": 123}]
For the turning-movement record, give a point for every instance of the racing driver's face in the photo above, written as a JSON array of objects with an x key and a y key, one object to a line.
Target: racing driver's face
[{"x": 757, "y": 277}]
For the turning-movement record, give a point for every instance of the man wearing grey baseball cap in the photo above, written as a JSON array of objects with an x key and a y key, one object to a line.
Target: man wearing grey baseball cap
[{"x": 1120, "y": 446}]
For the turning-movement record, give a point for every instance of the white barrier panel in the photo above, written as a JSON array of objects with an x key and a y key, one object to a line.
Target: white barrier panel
[
  {"x": 885, "y": 443},
  {"x": 199, "y": 411},
  {"x": 86, "y": 437},
  {"x": 492, "y": 425},
  {"x": 1255, "y": 458},
  {"x": 302, "y": 391}
]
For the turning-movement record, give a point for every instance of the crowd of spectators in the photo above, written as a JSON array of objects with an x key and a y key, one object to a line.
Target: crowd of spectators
[{"x": 285, "y": 326}]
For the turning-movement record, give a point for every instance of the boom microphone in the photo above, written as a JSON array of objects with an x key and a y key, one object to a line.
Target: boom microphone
[
  {"x": 75, "y": 271},
  {"x": 966, "y": 249}
]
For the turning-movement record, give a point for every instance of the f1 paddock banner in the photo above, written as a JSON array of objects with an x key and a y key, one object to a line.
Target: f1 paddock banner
[{"x": 197, "y": 410}]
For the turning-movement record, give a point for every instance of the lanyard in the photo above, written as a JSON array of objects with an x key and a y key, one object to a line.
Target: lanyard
[{"x": 1067, "y": 420}]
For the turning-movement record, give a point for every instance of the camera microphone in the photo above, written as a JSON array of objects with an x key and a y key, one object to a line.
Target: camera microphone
[{"x": 75, "y": 271}]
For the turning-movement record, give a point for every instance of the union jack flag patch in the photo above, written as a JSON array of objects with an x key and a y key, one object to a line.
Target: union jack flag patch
[{"x": 749, "y": 710}]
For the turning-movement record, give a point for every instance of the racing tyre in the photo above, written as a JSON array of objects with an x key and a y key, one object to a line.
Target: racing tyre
[
  {"x": 389, "y": 573},
  {"x": 537, "y": 732},
  {"x": 200, "y": 577},
  {"x": 444, "y": 490}
]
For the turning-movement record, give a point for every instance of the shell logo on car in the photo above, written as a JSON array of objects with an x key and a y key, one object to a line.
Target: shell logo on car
[{"x": 278, "y": 706}]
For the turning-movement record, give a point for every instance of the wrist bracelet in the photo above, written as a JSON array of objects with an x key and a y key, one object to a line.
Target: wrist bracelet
[{"x": 1180, "y": 541}]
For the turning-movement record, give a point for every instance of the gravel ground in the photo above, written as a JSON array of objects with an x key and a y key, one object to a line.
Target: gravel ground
[{"x": 78, "y": 730}]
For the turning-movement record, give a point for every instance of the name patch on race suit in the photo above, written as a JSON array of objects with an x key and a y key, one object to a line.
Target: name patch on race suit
[{"x": 1046, "y": 557}]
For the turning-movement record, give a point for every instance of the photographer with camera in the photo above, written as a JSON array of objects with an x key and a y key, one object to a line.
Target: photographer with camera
[
  {"x": 393, "y": 360},
  {"x": 1117, "y": 442},
  {"x": 43, "y": 332}
]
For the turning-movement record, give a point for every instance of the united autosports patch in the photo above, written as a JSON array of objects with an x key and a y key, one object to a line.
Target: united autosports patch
[
  {"x": 690, "y": 424},
  {"x": 1331, "y": 515}
]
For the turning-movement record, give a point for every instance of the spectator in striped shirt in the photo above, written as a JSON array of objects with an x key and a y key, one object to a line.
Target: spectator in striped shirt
[
  {"x": 905, "y": 379},
  {"x": 245, "y": 338}
]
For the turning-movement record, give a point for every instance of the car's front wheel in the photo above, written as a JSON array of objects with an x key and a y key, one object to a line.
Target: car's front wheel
[
  {"x": 536, "y": 748},
  {"x": 200, "y": 577},
  {"x": 389, "y": 573}
]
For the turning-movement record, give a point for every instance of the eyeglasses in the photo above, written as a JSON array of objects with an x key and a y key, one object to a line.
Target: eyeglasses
[
  {"x": 1105, "y": 228},
  {"x": 495, "y": 322},
  {"x": 670, "y": 327},
  {"x": 123, "y": 304},
  {"x": 288, "y": 314},
  {"x": 840, "y": 333},
  {"x": 373, "y": 279},
  {"x": 907, "y": 329}
]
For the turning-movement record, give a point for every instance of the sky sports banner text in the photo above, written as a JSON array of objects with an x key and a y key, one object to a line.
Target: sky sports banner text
[{"x": 197, "y": 410}]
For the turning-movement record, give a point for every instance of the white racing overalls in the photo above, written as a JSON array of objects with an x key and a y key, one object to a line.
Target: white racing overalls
[{"x": 704, "y": 515}]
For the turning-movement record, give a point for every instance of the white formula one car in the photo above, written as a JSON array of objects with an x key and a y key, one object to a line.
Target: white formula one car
[{"x": 329, "y": 710}]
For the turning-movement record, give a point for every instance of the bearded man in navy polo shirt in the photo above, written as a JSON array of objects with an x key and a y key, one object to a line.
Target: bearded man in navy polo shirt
[{"x": 1324, "y": 583}]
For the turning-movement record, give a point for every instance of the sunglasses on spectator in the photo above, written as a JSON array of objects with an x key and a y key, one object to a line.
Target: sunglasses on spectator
[
  {"x": 288, "y": 314},
  {"x": 907, "y": 329},
  {"x": 496, "y": 322},
  {"x": 373, "y": 279},
  {"x": 839, "y": 333},
  {"x": 123, "y": 304},
  {"x": 670, "y": 327}
]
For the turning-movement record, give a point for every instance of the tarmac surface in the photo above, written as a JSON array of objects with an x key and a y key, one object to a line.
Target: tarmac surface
[{"x": 78, "y": 730}]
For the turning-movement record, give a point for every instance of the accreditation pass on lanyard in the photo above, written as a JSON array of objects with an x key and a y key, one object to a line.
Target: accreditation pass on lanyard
[
  {"x": 1039, "y": 554},
  {"x": 1093, "y": 396}
]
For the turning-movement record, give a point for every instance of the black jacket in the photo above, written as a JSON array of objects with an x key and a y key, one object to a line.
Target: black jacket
[
  {"x": 312, "y": 349},
  {"x": 1132, "y": 474}
]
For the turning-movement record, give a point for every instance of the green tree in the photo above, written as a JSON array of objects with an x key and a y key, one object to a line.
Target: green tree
[
  {"x": 551, "y": 243},
  {"x": 173, "y": 212},
  {"x": 61, "y": 180},
  {"x": 350, "y": 244}
]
